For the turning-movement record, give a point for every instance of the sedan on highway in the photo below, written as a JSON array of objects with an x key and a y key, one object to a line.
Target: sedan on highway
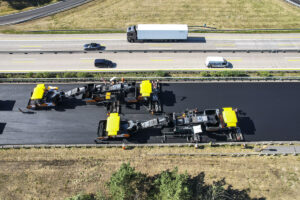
[
  {"x": 92, "y": 46},
  {"x": 103, "y": 63}
]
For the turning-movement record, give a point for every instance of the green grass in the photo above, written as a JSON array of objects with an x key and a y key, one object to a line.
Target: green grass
[
  {"x": 220, "y": 14},
  {"x": 160, "y": 73}
]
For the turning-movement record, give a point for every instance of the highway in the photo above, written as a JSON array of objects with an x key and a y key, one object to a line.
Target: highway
[
  {"x": 40, "y": 12},
  {"x": 117, "y": 41},
  {"x": 270, "y": 112},
  {"x": 144, "y": 61}
]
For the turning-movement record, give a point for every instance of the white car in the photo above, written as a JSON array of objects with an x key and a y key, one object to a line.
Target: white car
[{"x": 216, "y": 62}]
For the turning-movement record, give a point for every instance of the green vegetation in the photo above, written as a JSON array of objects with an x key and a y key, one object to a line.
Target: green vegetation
[
  {"x": 154, "y": 74},
  {"x": 127, "y": 184},
  {"x": 219, "y": 14},
  {"x": 11, "y": 6}
]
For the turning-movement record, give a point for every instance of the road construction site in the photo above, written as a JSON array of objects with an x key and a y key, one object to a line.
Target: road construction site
[{"x": 269, "y": 113}]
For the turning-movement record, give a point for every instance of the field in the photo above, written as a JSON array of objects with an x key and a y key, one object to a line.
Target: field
[
  {"x": 61, "y": 173},
  {"x": 221, "y": 14}
]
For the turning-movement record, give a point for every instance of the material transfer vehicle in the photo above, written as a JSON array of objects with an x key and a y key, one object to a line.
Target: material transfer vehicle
[
  {"x": 109, "y": 94},
  {"x": 191, "y": 125},
  {"x": 44, "y": 98}
]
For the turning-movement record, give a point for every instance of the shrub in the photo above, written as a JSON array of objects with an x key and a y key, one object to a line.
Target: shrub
[
  {"x": 84, "y": 75},
  {"x": 205, "y": 74},
  {"x": 70, "y": 75},
  {"x": 39, "y": 75},
  {"x": 127, "y": 183},
  {"x": 162, "y": 74},
  {"x": 173, "y": 185},
  {"x": 29, "y": 75},
  {"x": 264, "y": 74}
]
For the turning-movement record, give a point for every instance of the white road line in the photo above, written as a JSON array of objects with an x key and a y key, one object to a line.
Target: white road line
[
  {"x": 23, "y": 59},
  {"x": 29, "y": 49}
]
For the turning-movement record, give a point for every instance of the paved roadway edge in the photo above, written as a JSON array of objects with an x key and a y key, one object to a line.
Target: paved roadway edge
[
  {"x": 293, "y": 2},
  {"x": 151, "y": 70},
  {"x": 196, "y": 146}
]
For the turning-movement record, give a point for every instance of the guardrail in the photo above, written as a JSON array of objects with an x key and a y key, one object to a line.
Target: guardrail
[
  {"x": 163, "y": 79},
  {"x": 160, "y": 51}
]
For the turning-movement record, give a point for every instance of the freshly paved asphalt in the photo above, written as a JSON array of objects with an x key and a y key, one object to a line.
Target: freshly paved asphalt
[
  {"x": 40, "y": 12},
  {"x": 270, "y": 112}
]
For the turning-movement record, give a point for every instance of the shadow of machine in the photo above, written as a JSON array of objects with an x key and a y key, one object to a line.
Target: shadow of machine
[
  {"x": 7, "y": 105},
  {"x": 2, "y": 127}
]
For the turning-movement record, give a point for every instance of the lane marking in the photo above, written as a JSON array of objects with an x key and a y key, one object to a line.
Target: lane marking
[
  {"x": 29, "y": 49},
  {"x": 86, "y": 61},
  {"x": 294, "y": 60},
  {"x": 155, "y": 60},
  {"x": 226, "y": 44},
  {"x": 24, "y": 61},
  {"x": 30, "y": 46}
]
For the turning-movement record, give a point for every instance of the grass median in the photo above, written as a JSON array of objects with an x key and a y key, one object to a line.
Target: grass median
[
  {"x": 219, "y": 14},
  {"x": 61, "y": 173}
]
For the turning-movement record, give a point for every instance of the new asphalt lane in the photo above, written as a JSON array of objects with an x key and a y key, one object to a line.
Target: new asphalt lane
[{"x": 269, "y": 112}]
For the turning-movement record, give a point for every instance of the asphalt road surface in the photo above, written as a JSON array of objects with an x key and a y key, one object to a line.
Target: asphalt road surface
[
  {"x": 48, "y": 42},
  {"x": 40, "y": 12},
  {"x": 270, "y": 112},
  {"x": 144, "y": 61}
]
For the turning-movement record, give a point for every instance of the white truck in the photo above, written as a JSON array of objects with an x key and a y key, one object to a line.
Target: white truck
[{"x": 157, "y": 32}]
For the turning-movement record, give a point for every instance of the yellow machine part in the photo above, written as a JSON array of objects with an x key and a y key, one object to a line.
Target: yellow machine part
[
  {"x": 38, "y": 92},
  {"x": 229, "y": 117},
  {"x": 146, "y": 88},
  {"x": 107, "y": 95},
  {"x": 113, "y": 124}
]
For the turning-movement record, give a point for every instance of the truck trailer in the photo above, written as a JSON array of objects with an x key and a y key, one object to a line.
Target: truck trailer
[{"x": 157, "y": 32}]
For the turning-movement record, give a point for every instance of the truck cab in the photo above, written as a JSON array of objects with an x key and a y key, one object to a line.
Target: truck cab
[{"x": 131, "y": 34}]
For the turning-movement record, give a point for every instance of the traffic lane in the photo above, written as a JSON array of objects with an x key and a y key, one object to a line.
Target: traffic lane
[
  {"x": 144, "y": 61},
  {"x": 119, "y": 42},
  {"x": 269, "y": 112}
]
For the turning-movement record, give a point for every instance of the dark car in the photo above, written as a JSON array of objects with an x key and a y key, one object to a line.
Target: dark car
[
  {"x": 103, "y": 63},
  {"x": 92, "y": 46}
]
